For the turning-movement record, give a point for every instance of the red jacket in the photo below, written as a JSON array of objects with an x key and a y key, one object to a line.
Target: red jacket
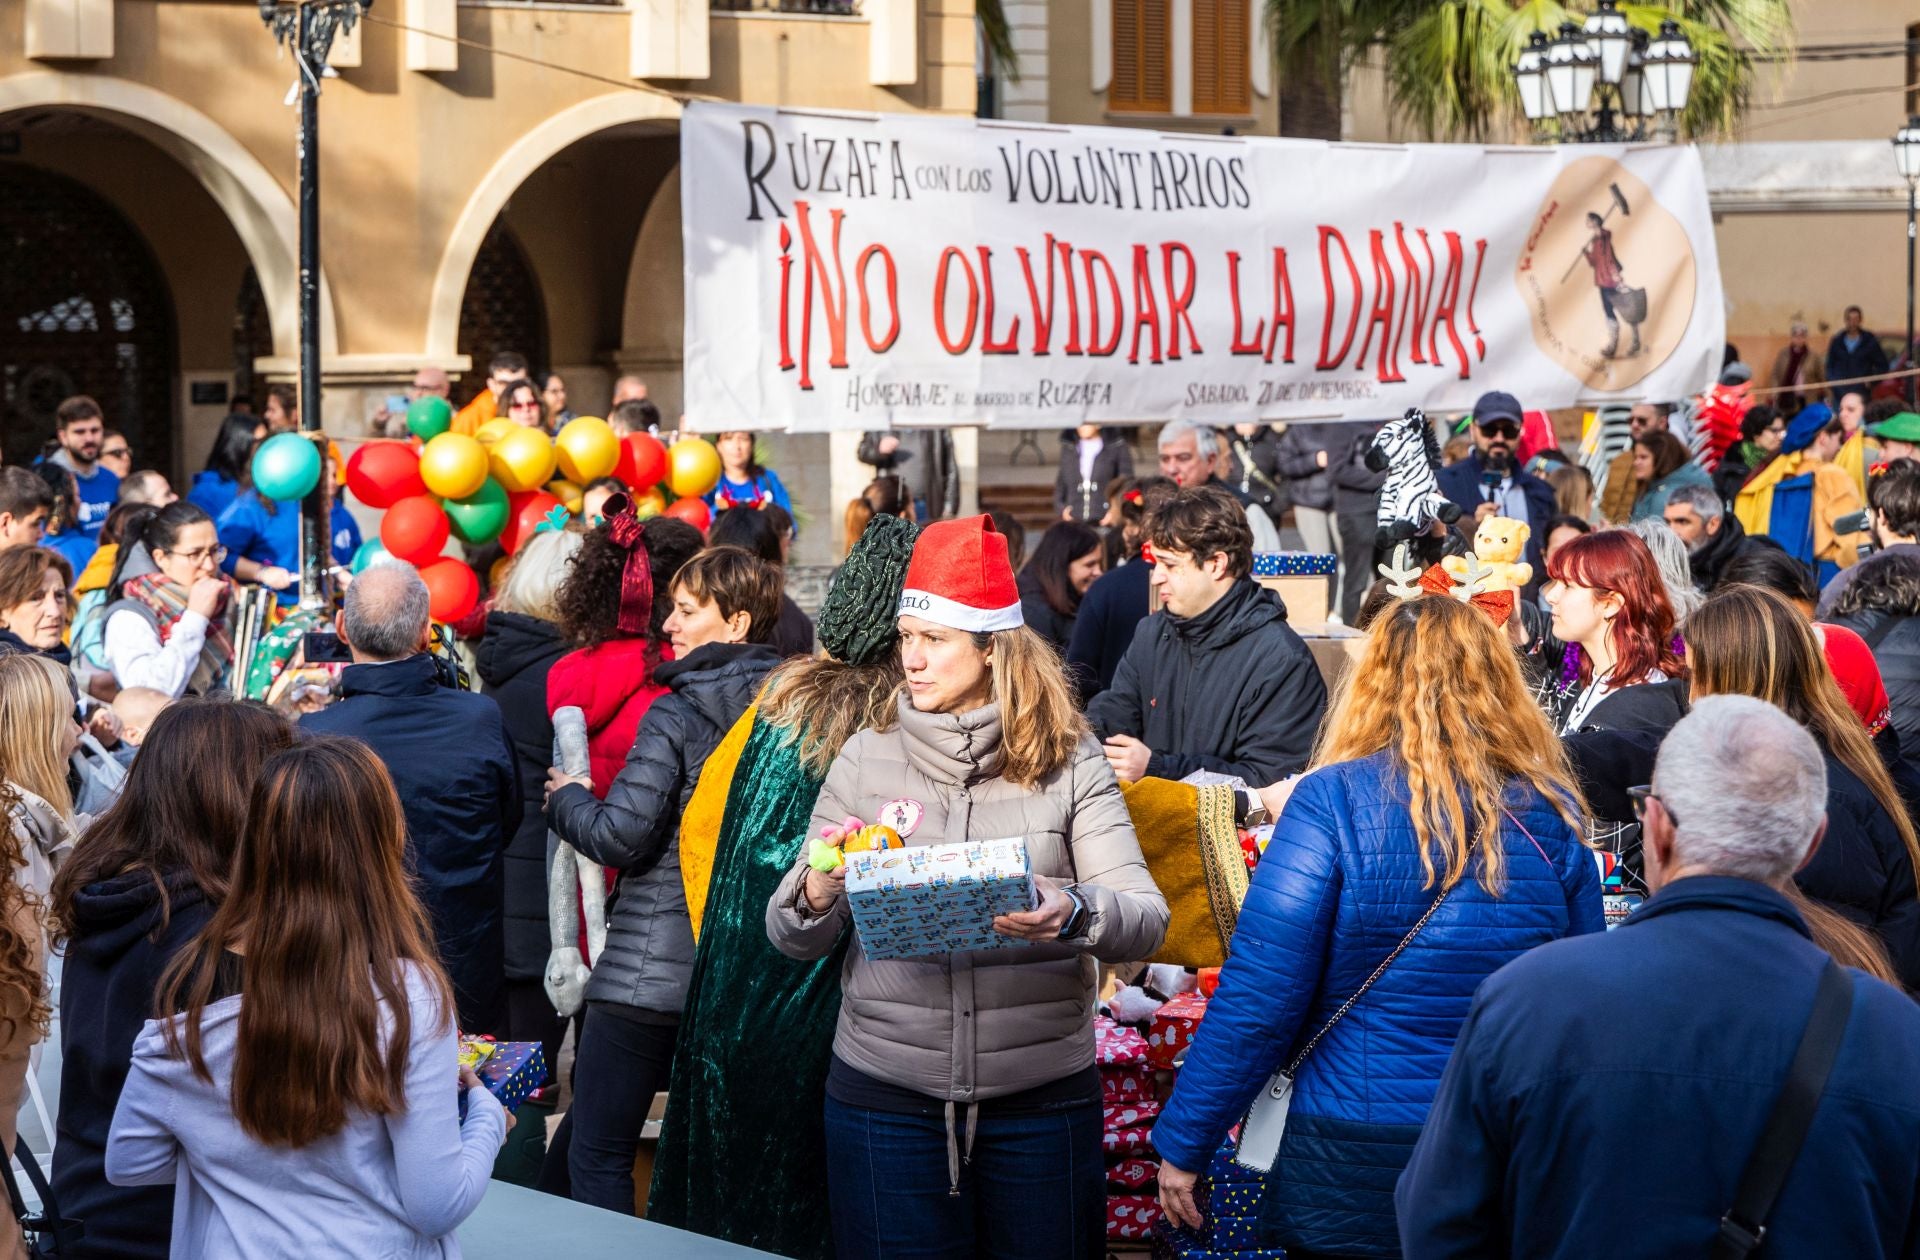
[{"x": 613, "y": 684}]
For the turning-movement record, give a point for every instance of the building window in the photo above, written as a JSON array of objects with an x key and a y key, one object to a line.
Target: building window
[
  {"x": 1142, "y": 57},
  {"x": 1913, "y": 69},
  {"x": 1222, "y": 82}
]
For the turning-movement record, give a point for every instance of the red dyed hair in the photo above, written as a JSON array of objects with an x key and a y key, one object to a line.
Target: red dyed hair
[{"x": 1616, "y": 562}]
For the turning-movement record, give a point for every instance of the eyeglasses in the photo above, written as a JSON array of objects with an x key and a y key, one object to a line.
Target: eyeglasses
[
  {"x": 1500, "y": 428},
  {"x": 1644, "y": 793},
  {"x": 216, "y": 553},
  {"x": 524, "y": 404},
  {"x": 1779, "y": 430},
  {"x": 118, "y": 452}
]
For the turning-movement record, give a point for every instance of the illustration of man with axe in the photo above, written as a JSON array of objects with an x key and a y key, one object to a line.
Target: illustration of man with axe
[{"x": 1617, "y": 299}]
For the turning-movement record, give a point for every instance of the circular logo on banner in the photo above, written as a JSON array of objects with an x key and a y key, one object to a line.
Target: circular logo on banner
[{"x": 1607, "y": 275}]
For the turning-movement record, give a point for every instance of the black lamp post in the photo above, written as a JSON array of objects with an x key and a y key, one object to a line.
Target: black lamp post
[
  {"x": 307, "y": 28},
  {"x": 1602, "y": 81},
  {"x": 1906, "y": 155}
]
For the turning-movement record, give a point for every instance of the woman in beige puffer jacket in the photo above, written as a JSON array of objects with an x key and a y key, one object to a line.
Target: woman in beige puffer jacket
[{"x": 963, "y": 1108}]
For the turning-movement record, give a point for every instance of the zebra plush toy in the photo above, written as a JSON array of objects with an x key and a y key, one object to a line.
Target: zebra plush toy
[{"x": 1410, "y": 501}]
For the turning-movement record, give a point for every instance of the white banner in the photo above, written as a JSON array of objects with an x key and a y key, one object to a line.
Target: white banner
[{"x": 861, "y": 271}]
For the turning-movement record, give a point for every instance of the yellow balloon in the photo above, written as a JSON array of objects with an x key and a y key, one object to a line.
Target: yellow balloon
[
  {"x": 454, "y": 465},
  {"x": 587, "y": 448},
  {"x": 567, "y": 492},
  {"x": 522, "y": 460},
  {"x": 493, "y": 430},
  {"x": 693, "y": 467}
]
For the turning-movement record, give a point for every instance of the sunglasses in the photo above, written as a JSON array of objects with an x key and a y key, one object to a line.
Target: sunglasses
[
  {"x": 1500, "y": 428},
  {"x": 1644, "y": 793},
  {"x": 116, "y": 452}
]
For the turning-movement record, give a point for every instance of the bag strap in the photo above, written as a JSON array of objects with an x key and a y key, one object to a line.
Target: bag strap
[
  {"x": 1744, "y": 1227},
  {"x": 47, "y": 1222}
]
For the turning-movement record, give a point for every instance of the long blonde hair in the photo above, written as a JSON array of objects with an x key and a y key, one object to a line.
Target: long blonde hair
[
  {"x": 1040, "y": 724},
  {"x": 1749, "y": 641},
  {"x": 1440, "y": 689},
  {"x": 36, "y": 704},
  {"x": 822, "y": 703}
]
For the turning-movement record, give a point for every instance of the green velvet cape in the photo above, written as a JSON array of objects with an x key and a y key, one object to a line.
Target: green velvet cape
[{"x": 743, "y": 1148}]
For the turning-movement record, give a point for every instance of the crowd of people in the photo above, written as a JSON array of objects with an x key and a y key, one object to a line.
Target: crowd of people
[{"x": 583, "y": 817}]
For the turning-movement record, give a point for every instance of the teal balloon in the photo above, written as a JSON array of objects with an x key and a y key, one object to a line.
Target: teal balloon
[
  {"x": 371, "y": 552},
  {"x": 286, "y": 466},
  {"x": 428, "y": 417},
  {"x": 479, "y": 517}
]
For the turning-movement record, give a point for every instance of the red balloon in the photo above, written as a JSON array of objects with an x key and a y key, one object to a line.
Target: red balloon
[
  {"x": 452, "y": 588},
  {"x": 693, "y": 511},
  {"x": 643, "y": 461},
  {"x": 525, "y": 510},
  {"x": 415, "y": 529},
  {"x": 380, "y": 474}
]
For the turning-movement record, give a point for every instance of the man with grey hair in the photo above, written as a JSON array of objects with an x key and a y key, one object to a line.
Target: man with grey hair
[
  {"x": 1642, "y": 1066},
  {"x": 1713, "y": 535},
  {"x": 1190, "y": 454},
  {"x": 448, "y": 753}
]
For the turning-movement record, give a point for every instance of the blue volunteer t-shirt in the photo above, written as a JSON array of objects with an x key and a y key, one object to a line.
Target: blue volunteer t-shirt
[{"x": 99, "y": 491}]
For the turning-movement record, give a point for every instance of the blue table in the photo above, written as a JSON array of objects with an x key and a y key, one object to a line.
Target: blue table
[{"x": 515, "y": 1223}]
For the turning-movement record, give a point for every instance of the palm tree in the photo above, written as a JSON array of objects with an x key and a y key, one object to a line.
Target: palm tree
[
  {"x": 998, "y": 37},
  {"x": 1448, "y": 61}
]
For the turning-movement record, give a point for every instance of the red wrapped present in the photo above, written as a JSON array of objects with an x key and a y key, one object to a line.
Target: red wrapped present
[
  {"x": 1131, "y": 1215},
  {"x": 1127, "y": 1143},
  {"x": 1130, "y": 1083},
  {"x": 1115, "y": 1045},
  {"x": 1174, "y": 1028},
  {"x": 1133, "y": 1175},
  {"x": 1128, "y": 1114}
]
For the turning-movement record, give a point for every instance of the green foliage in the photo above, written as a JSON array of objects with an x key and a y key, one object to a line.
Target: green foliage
[
  {"x": 1449, "y": 62},
  {"x": 998, "y": 36}
]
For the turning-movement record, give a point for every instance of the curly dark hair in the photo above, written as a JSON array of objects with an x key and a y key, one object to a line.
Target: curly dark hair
[{"x": 588, "y": 602}]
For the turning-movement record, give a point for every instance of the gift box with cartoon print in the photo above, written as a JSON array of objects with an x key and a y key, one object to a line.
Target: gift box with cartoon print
[{"x": 937, "y": 898}]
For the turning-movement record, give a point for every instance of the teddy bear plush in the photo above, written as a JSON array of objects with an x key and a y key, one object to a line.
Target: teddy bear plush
[{"x": 1498, "y": 544}]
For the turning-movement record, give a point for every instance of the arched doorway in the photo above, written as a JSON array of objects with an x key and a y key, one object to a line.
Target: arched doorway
[
  {"x": 84, "y": 309},
  {"x": 252, "y": 340},
  {"x": 501, "y": 309}
]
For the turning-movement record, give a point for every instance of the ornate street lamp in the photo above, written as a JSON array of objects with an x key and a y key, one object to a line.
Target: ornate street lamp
[
  {"x": 1906, "y": 156},
  {"x": 1604, "y": 81}
]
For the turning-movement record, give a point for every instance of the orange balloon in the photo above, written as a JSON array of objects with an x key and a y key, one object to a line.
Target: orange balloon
[
  {"x": 643, "y": 461},
  {"x": 694, "y": 512},
  {"x": 452, "y": 589},
  {"x": 529, "y": 509},
  {"x": 415, "y": 529}
]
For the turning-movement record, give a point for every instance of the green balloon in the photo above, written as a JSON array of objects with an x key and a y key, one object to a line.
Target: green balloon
[
  {"x": 371, "y": 552},
  {"x": 428, "y": 417},
  {"x": 479, "y": 517}
]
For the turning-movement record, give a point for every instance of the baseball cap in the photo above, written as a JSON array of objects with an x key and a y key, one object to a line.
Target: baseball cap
[{"x": 1497, "y": 405}]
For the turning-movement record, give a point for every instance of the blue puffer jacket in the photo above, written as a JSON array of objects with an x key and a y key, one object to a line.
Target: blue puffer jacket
[{"x": 1339, "y": 887}]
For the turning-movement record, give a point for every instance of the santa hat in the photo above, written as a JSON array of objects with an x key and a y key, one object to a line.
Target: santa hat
[{"x": 960, "y": 577}]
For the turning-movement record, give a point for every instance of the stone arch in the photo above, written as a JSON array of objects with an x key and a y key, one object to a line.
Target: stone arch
[
  {"x": 260, "y": 210},
  {"x": 528, "y": 153},
  {"x": 653, "y": 312}
]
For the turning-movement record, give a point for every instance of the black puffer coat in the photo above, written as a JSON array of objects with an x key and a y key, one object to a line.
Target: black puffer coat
[
  {"x": 513, "y": 662},
  {"x": 1233, "y": 690},
  {"x": 1862, "y": 869},
  {"x": 648, "y": 957},
  {"x": 1881, "y": 604},
  {"x": 1310, "y": 483}
]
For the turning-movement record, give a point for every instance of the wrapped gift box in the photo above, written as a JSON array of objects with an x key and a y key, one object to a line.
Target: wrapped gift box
[
  {"x": 1131, "y": 1143},
  {"x": 1129, "y": 1115},
  {"x": 511, "y": 1071},
  {"x": 1133, "y": 1176},
  {"x": 1236, "y": 1233},
  {"x": 1115, "y": 1044},
  {"x": 1225, "y": 1170},
  {"x": 1228, "y": 1199},
  {"x": 1174, "y": 1026},
  {"x": 1293, "y": 564},
  {"x": 1132, "y": 1215},
  {"x": 937, "y": 898},
  {"x": 1131, "y": 1082}
]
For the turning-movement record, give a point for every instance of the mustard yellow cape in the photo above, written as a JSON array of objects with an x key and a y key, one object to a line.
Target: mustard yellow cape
[
  {"x": 700, "y": 825},
  {"x": 1193, "y": 853},
  {"x": 1834, "y": 496},
  {"x": 1857, "y": 455}
]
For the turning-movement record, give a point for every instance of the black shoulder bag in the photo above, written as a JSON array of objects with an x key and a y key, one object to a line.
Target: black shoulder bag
[
  {"x": 49, "y": 1235},
  {"x": 1744, "y": 1227}
]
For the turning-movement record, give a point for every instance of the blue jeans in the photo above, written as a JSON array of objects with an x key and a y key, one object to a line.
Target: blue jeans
[{"x": 1035, "y": 1187}]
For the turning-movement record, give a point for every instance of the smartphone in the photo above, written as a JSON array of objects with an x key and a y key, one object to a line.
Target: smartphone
[
  {"x": 325, "y": 647},
  {"x": 397, "y": 404}
]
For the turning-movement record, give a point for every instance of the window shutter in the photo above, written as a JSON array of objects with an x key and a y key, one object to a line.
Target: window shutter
[
  {"x": 1222, "y": 77},
  {"x": 1142, "y": 71}
]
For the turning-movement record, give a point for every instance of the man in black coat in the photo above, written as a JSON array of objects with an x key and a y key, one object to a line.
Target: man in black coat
[
  {"x": 1490, "y": 481},
  {"x": 1714, "y": 536},
  {"x": 1853, "y": 353},
  {"x": 1693, "y": 1010},
  {"x": 1217, "y": 680},
  {"x": 448, "y": 753}
]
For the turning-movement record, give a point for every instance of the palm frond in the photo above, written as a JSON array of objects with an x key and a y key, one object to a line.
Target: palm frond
[{"x": 999, "y": 37}]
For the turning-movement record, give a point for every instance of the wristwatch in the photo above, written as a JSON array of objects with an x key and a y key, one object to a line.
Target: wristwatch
[
  {"x": 1249, "y": 810},
  {"x": 1077, "y": 921}
]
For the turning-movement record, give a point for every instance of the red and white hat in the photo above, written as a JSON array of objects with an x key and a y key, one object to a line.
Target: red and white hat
[{"x": 960, "y": 577}]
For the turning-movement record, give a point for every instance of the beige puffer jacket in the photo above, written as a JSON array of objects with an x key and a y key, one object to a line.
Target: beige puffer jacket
[{"x": 966, "y": 1027}]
